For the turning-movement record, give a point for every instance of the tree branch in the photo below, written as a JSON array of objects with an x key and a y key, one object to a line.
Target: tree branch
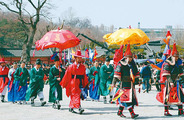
[
  {"x": 7, "y": 7},
  {"x": 43, "y": 4},
  {"x": 30, "y": 1}
]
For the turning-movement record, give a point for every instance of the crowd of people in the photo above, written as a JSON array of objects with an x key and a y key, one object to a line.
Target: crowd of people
[{"x": 81, "y": 81}]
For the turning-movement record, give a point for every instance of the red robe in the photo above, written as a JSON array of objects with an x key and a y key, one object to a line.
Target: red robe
[
  {"x": 3, "y": 78},
  {"x": 71, "y": 83},
  {"x": 170, "y": 95},
  {"x": 160, "y": 94}
]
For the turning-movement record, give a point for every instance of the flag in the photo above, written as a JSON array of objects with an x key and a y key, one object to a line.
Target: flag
[
  {"x": 64, "y": 56},
  {"x": 159, "y": 65},
  {"x": 86, "y": 53},
  {"x": 91, "y": 54},
  {"x": 69, "y": 56},
  {"x": 53, "y": 56},
  {"x": 95, "y": 54},
  {"x": 73, "y": 53}
]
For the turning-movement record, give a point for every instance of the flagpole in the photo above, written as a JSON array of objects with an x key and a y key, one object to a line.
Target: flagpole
[
  {"x": 69, "y": 56},
  {"x": 85, "y": 52},
  {"x": 64, "y": 57}
]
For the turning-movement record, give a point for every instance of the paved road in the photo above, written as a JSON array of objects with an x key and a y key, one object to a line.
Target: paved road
[{"x": 149, "y": 108}]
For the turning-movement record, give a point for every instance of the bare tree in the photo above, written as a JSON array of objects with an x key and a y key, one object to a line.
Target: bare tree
[{"x": 28, "y": 20}]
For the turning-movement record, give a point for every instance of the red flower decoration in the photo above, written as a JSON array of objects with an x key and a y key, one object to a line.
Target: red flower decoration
[
  {"x": 95, "y": 73},
  {"x": 21, "y": 73}
]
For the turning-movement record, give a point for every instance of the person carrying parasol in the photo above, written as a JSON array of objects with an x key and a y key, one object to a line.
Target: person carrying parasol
[{"x": 55, "y": 76}]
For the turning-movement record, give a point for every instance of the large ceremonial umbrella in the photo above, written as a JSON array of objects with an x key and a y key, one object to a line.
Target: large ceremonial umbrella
[
  {"x": 61, "y": 39},
  {"x": 125, "y": 36}
]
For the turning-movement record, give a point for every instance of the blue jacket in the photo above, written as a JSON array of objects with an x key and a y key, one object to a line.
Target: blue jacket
[{"x": 146, "y": 72}]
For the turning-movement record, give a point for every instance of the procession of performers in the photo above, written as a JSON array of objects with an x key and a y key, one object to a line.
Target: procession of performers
[{"x": 118, "y": 83}]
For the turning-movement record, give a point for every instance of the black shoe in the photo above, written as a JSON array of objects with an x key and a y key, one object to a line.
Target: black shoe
[
  {"x": 32, "y": 102},
  {"x": 81, "y": 110},
  {"x": 57, "y": 104},
  {"x": 54, "y": 106},
  {"x": 105, "y": 101},
  {"x": 43, "y": 103},
  {"x": 2, "y": 98},
  {"x": 134, "y": 115},
  {"x": 72, "y": 110},
  {"x": 167, "y": 114},
  {"x": 20, "y": 103},
  {"x": 110, "y": 99},
  {"x": 58, "y": 107}
]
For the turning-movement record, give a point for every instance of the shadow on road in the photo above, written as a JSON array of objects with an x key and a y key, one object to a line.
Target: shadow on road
[{"x": 154, "y": 117}]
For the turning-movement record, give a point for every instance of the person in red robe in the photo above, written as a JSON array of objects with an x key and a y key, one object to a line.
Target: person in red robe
[
  {"x": 174, "y": 76},
  {"x": 3, "y": 78},
  {"x": 75, "y": 81},
  {"x": 163, "y": 80}
]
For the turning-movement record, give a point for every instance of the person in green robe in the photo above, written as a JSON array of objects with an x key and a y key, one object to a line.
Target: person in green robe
[
  {"x": 36, "y": 84},
  {"x": 55, "y": 76},
  {"x": 21, "y": 77},
  {"x": 106, "y": 75}
]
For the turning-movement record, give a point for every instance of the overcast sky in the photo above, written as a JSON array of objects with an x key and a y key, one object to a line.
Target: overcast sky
[{"x": 122, "y": 13}]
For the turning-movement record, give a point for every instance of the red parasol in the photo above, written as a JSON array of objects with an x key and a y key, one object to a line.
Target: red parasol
[{"x": 61, "y": 39}]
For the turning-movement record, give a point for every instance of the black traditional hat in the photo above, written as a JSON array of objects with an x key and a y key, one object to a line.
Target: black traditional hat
[
  {"x": 56, "y": 59},
  {"x": 38, "y": 62},
  {"x": 107, "y": 59}
]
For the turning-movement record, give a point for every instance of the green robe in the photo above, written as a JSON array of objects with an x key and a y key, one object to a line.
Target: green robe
[
  {"x": 23, "y": 78},
  {"x": 97, "y": 76},
  {"x": 54, "y": 83},
  {"x": 36, "y": 83},
  {"x": 106, "y": 75}
]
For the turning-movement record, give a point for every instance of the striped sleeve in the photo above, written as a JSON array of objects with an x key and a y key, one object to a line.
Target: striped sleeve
[
  {"x": 166, "y": 70},
  {"x": 117, "y": 72}
]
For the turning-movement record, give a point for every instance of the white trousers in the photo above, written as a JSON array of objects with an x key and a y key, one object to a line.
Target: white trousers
[
  {"x": 40, "y": 95},
  {"x": 56, "y": 93},
  {"x": 112, "y": 93},
  {"x": 4, "y": 91}
]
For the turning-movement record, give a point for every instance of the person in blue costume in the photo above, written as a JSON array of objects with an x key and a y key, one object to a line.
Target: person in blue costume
[
  {"x": 21, "y": 76},
  {"x": 11, "y": 84},
  {"x": 94, "y": 76}
]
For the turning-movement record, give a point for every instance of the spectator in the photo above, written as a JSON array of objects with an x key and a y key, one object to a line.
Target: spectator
[{"x": 146, "y": 75}]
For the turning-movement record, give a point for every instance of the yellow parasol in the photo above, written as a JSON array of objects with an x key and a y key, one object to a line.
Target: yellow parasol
[{"x": 125, "y": 36}]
